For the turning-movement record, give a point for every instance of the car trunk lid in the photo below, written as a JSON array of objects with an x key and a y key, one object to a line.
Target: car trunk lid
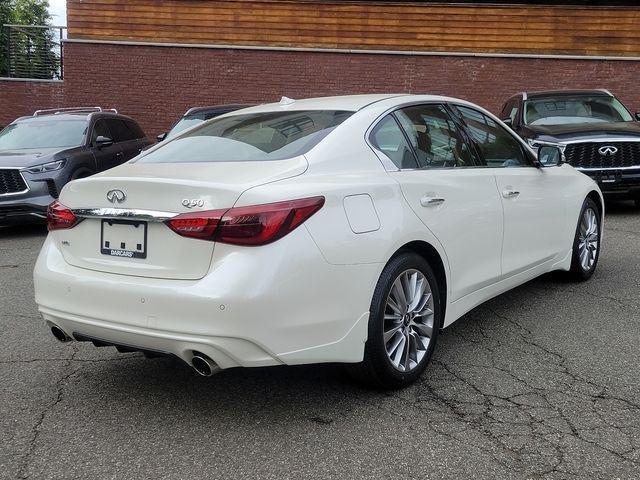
[{"x": 123, "y": 232}]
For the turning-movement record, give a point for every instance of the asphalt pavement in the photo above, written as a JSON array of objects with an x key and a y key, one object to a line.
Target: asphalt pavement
[{"x": 542, "y": 382}]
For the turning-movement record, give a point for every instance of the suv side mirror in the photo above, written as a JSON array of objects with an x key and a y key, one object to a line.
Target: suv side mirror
[
  {"x": 102, "y": 141},
  {"x": 638, "y": 116},
  {"x": 161, "y": 137},
  {"x": 549, "y": 156},
  {"x": 507, "y": 121}
]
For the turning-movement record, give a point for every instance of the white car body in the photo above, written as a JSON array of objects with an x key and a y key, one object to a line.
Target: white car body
[{"x": 304, "y": 298}]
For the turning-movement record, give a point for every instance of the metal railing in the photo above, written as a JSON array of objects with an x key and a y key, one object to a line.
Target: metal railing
[{"x": 34, "y": 51}]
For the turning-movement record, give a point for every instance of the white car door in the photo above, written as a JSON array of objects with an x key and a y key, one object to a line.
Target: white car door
[
  {"x": 455, "y": 200},
  {"x": 533, "y": 199}
]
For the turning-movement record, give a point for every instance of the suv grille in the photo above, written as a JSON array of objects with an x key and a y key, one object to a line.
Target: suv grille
[
  {"x": 586, "y": 155},
  {"x": 11, "y": 182}
]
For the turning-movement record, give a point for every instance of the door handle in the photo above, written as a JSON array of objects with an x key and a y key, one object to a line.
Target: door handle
[
  {"x": 428, "y": 201},
  {"x": 509, "y": 193}
]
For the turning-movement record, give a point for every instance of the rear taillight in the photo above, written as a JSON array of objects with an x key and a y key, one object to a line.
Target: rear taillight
[
  {"x": 254, "y": 225},
  {"x": 60, "y": 217}
]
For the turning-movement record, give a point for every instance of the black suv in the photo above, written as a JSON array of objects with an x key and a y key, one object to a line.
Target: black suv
[
  {"x": 41, "y": 153},
  {"x": 599, "y": 135}
]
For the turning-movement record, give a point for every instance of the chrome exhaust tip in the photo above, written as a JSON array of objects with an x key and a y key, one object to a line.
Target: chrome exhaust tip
[
  {"x": 204, "y": 366},
  {"x": 59, "y": 334}
]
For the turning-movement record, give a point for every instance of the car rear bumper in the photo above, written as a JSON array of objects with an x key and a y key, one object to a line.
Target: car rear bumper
[{"x": 277, "y": 304}]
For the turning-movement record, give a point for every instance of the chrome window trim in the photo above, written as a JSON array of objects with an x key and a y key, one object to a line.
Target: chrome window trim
[
  {"x": 124, "y": 213},
  {"x": 20, "y": 169}
]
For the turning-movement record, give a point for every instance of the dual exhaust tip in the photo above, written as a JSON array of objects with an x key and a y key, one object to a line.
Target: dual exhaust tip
[{"x": 202, "y": 364}]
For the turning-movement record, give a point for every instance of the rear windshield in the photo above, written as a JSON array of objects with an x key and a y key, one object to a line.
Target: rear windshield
[
  {"x": 43, "y": 134},
  {"x": 250, "y": 137},
  {"x": 563, "y": 110}
]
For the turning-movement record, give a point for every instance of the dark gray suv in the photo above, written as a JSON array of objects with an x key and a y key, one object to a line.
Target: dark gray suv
[{"x": 41, "y": 153}]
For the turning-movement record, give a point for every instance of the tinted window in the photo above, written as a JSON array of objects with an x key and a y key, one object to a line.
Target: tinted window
[
  {"x": 434, "y": 137},
  {"x": 119, "y": 130},
  {"x": 100, "y": 129},
  {"x": 135, "y": 129},
  {"x": 567, "y": 109},
  {"x": 499, "y": 148},
  {"x": 251, "y": 137},
  {"x": 389, "y": 139},
  {"x": 43, "y": 134}
]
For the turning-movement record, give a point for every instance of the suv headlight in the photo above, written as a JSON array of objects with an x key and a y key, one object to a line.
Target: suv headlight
[{"x": 46, "y": 167}]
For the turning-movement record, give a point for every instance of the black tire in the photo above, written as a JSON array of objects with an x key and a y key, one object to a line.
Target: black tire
[
  {"x": 376, "y": 369},
  {"x": 637, "y": 202},
  {"x": 578, "y": 272}
]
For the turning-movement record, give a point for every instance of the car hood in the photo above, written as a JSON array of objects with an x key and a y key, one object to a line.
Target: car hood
[
  {"x": 583, "y": 131},
  {"x": 29, "y": 157}
]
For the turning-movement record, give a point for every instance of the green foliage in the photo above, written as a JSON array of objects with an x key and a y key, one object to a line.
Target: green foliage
[{"x": 30, "y": 49}]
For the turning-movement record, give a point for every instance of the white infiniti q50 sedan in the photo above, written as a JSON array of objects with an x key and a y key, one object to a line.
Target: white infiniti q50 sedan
[{"x": 343, "y": 229}]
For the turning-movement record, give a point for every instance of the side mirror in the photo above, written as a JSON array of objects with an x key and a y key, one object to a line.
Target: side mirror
[
  {"x": 638, "y": 116},
  {"x": 102, "y": 141},
  {"x": 549, "y": 156},
  {"x": 507, "y": 121},
  {"x": 161, "y": 137}
]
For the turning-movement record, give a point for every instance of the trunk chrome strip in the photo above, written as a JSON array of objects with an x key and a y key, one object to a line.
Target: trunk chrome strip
[
  {"x": 595, "y": 169},
  {"x": 124, "y": 213}
]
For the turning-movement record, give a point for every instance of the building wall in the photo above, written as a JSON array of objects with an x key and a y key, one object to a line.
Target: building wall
[
  {"x": 423, "y": 26},
  {"x": 156, "y": 85},
  {"x": 19, "y": 98}
]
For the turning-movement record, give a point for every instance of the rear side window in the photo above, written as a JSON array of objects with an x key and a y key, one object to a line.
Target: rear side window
[
  {"x": 499, "y": 148},
  {"x": 434, "y": 137},
  {"x": 387, "y": 137},
  {"x": 134, "y": 128},
  {"x": 119, "y": 130},
  {"x": 250, "y": 137}
]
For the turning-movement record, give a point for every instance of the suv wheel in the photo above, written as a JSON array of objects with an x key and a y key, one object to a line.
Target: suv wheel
[{"x": 403, "y": 326}]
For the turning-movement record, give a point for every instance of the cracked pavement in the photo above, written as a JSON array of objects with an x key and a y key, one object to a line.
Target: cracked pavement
[{"x": 539, "y": 383}]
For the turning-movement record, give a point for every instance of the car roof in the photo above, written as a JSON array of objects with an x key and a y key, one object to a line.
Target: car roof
[
  {"x": 71, "y": 116},
  {"x": 351, "y": 103},
  {"x": 559, "y": 93}
]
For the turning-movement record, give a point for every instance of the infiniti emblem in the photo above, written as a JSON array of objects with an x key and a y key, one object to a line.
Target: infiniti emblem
[
  {"x": 116, "y": 196},
  {"x": 608, "y": 151}
]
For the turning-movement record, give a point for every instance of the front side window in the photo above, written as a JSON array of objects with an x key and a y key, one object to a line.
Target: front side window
[
  {"x": 43, "y": 134},
  {"x": 498, "y": 147},
  {"x": 250, "y": 137},
  {"x": 566, "y": 109},
  {"x": 100, "y": 129},
  {"x": 434, "y": 137}
]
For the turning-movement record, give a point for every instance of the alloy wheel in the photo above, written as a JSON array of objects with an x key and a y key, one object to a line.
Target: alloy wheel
[
  {"x": 588, "y": 239},
  {"x": 408, "y": 320}
]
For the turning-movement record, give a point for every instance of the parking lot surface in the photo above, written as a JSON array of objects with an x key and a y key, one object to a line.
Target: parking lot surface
[{"x": 541, "y": 382}]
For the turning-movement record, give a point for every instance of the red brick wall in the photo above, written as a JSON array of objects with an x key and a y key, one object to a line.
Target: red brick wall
[
  {"x": 156, "y": 85},
  {"x": 19, "y": 98}
]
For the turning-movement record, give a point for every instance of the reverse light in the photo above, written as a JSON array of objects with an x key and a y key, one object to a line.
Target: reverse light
[
  {"x": 251, "y": 226},
  {"x": 46, "y": 167},
  {"x": 60, "y": 217}
]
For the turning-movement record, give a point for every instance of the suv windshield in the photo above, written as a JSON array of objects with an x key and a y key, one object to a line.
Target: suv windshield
[
  {"x": 565, "y": 109},
  {"x": 250, "y": 137},
  {"x": 43, "y": 134}
]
